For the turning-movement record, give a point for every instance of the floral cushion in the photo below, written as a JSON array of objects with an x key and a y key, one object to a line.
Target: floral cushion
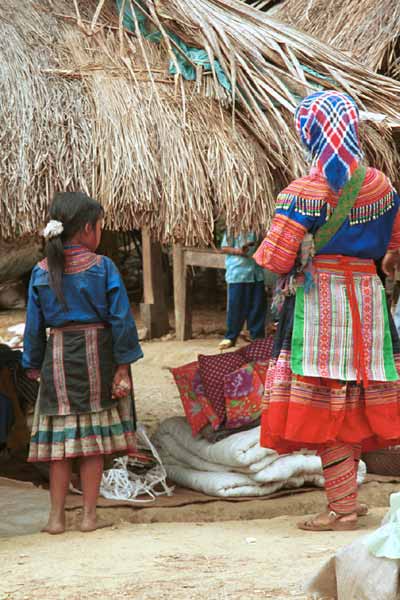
[
  {"x": 244, "y": 390},
  {"x": 198, "y": 409},
  {"x": 213, "y": 369},
  {"x": 260, "y": 350}
]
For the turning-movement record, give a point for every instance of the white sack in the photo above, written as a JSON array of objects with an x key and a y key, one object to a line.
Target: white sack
[
  {"x": 224, "y": 484},
  {"x": 354, "y": 573},
  {"x": 223, "y": 468},
  {"x": 238, "y": 450},
  {"x": 169, "y": 446},
  {"x": 288, "y": 466}
]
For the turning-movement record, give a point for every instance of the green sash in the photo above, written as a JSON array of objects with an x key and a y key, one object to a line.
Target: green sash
[{"x": 345, "y": 203}]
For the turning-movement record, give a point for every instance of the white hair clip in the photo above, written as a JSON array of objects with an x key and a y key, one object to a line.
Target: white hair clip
[{"x": 53, "y": 229}]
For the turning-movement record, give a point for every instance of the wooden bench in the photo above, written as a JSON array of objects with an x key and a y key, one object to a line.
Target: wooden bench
[{"x": 184, "y": 257}]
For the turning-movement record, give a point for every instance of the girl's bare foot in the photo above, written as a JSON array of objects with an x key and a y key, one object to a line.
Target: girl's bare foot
[
  {"x": 90, "y": 522},
  {"x": 55, "y": 524}
]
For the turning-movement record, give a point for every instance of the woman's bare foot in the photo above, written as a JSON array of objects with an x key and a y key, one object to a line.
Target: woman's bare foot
[
  {"x": 90, "y": 522},
  {"x": 55, "y": 524}
]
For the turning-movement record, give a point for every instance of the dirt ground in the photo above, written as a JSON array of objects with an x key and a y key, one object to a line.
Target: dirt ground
[
  {"x": 182, "y": 561},
  {"x": 221, "y": 560}
]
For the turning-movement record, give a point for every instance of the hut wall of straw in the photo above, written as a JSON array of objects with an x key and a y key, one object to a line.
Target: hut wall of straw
[{"x": 88, "y": 105}]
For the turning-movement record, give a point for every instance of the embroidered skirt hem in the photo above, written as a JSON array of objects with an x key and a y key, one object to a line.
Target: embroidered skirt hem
[
  {"x": 312, "y": 412},
  {"x": 111, "y": 431}
]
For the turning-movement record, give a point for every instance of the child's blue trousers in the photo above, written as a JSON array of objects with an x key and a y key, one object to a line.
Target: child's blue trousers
[{"x": 246, "y": 302}]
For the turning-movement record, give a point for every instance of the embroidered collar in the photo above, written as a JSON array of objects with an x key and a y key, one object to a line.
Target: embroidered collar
[{"x": 77, "y": 260}]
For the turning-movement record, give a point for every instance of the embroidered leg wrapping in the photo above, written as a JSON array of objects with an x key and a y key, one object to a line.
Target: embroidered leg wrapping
[{"x": 338, "y": 462}]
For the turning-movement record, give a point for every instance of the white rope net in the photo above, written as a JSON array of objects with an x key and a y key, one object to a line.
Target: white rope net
[{"x": 131, "y": 478}]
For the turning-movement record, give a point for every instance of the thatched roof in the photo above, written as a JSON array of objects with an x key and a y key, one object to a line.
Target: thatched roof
[
  {"x": 73, "y": 117},
  {"x": 88, "y": 105},
  {"x": 369, "y": 30}
]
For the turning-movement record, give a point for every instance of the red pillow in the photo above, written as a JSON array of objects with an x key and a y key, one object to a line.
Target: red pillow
[
  {"x": 244, "y": 390},
  {"x": 259, "y": 351},
  {"x": 262, "y": 369},
  {"x": 198, "y": 410},
  {"x": 213, "y": 369}
]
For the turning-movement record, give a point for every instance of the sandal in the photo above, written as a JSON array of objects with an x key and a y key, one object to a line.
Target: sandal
[{"x": 335, "y": 523}]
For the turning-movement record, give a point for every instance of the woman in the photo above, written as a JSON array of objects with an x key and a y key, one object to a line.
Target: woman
[{"x": 333, "y": 384}]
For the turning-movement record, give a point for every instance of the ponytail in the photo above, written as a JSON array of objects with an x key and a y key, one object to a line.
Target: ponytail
[{"x": 55, "y": 264}]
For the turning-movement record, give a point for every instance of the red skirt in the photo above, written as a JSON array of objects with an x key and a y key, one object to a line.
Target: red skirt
[
  {"x": 311, "y": 412},
  {"x": 302, "y": 411}
]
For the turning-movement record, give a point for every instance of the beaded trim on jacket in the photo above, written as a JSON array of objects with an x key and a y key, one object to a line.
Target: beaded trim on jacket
[{"x": 311, "y": 194}]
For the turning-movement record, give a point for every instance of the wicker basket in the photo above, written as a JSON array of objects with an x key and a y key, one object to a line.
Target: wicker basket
[{"x": 383, "y": 462}]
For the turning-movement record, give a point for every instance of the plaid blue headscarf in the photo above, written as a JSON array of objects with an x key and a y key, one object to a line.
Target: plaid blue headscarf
[{"x": 327, "y": 123}]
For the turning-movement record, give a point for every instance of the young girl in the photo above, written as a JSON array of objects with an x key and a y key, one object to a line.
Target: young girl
[{"x": 84, "y": 408}]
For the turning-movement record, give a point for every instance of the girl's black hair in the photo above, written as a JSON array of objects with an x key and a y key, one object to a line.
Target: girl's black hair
[{"x": 74, "y": 210}]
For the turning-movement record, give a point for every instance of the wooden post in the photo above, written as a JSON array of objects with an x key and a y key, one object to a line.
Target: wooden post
[
  {"x": 182, "y": 301},
  {"x": 148, "y": 251},
  {"x": 154, "y": 309}
]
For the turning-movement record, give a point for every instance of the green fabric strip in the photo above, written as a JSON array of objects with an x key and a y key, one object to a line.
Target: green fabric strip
[
  {"x": 348, "y": 338},
  {"x": 388, "y": 358},
  {"x": 345, "y": 203},
  {"x": 71, "y": 433},
  {"x": 296, "y": 357}
]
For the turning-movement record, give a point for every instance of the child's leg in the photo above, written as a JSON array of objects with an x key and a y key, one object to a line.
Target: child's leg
[
  {"x": 257, "y": 310},
  {"x": 60, "y": 477},
  {"x": 236, "y": 310},
  {"x": 91, "y": 473}
]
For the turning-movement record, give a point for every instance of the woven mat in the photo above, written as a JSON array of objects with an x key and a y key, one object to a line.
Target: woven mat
[
  {"x": 181, "y": 497},
  {"x": 370, "y": 477},
  {"x": 184, "y": 497}
]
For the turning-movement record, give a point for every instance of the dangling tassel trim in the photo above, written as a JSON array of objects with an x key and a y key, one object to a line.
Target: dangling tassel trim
[
  {"x": 312, "y": 207},
  {"x": 371, "y": 212}
]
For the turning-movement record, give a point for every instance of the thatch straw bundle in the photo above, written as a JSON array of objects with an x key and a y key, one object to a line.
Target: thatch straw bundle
[
  {"x": 88, "y": 105},
  {"x": 369, "y": 30}
]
